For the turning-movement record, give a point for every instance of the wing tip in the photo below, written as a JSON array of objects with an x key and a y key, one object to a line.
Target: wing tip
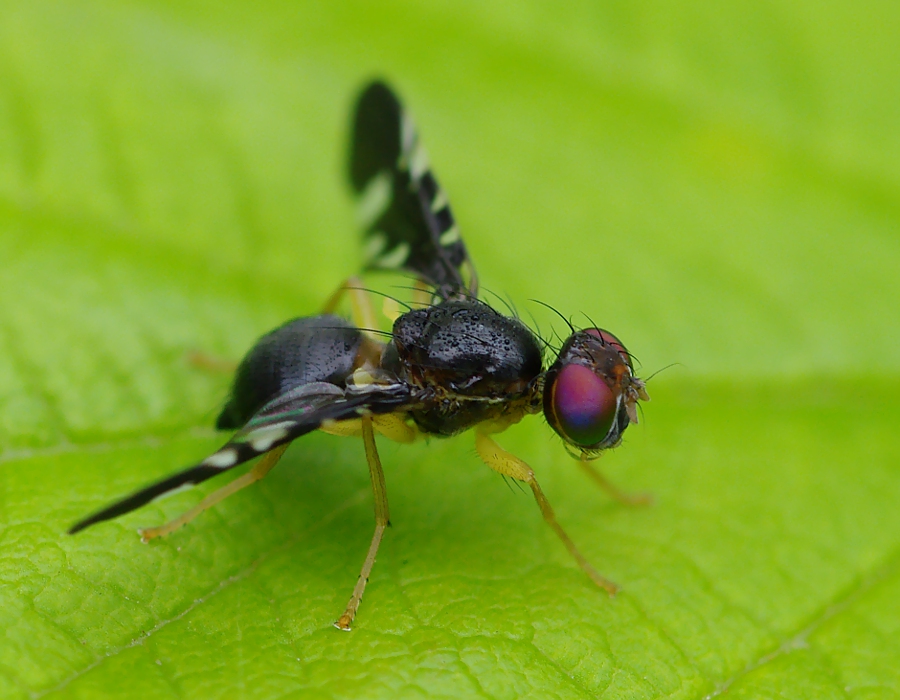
[
  {"x": 186, "y": 478},
  {"x": 377, "y": 86},
  {"x": 376, "y": 122},
  {"x": 79, "y": 526},
  {"x": 100, "y": 516}
]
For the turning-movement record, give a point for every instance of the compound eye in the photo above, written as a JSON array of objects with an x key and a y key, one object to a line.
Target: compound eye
[{"x": 580, "y": 406}]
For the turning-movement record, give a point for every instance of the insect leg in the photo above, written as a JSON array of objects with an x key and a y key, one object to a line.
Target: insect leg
[
  {"x": 422, "y": 294},
  {"x": 394, "y": 427},
  {"x": 507, "y": 464},
  {"x": 629, "y": 499},
  {"x": 344, "y": 428},
  {"x": 382, "y": 520},
  {"x": 210, "y": 363},
  {"x": 360, "y": 303},
  {"x": 259, "y": 470},
  {"x": 391, "y": 425}
]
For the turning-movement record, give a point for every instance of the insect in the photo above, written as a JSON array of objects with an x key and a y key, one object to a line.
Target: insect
[{"x": 453, "y": 364}]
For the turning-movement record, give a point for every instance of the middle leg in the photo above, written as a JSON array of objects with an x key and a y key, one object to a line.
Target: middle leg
[{"x": 382, "y": 520}]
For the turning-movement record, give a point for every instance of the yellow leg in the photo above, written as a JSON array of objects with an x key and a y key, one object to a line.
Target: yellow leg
[
  {"x": 360, "y": 303},
  {"x": 390, "y": 307},
  {"x": 210, "y": 363},
  {"x": 382, "y": 520},
  {"x": 260, "y": 469},
  {"x": 391, "y": 425},
  {"x": 422, "y": 294},
  {"x": 629, "y": 499},
  {"x": 352, "y": 427},
  {"x": 507, "y": 464},
  {"x": 394, "y": 427}
]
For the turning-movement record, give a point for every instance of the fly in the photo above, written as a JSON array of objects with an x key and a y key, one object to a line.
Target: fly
[{"x": 454, "y": 364}]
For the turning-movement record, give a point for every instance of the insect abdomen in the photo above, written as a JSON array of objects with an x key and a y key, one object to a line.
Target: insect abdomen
[{"x": 302, "y": 351}]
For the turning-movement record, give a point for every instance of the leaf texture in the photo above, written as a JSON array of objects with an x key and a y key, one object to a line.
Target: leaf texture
[{"x": 717, "y": 185}]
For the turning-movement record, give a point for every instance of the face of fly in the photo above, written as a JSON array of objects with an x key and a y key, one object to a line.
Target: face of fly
[{"x": 591, "y": 393}]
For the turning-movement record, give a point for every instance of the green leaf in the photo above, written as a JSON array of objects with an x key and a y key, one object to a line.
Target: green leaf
[{"x": 717, "y": 184}]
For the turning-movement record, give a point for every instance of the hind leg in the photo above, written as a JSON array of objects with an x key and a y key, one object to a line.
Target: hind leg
[
  {"x": 360, "y": 303},
  {"x": 259, "y": 470},
  {"x": 210, "y": 363}
]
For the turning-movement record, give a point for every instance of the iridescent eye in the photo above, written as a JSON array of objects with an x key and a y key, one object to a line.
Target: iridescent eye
[{"x": 579, "y": 405}]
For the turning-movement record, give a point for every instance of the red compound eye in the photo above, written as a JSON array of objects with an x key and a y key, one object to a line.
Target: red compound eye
[{"x": 579, "y": 405}]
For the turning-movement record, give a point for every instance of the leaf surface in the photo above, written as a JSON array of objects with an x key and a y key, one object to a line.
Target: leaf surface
[{"x": 718, "y": 185}]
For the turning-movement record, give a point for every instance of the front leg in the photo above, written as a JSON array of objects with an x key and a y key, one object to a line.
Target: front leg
[
  {"x": 508, "y": 464},
  {"x": 629, "y": 499}
]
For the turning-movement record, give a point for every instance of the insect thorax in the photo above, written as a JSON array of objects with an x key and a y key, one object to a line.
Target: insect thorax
[{"x": 467, "y": 364}]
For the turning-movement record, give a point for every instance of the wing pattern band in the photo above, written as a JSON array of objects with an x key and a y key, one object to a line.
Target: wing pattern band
[{"x": 280, "y": 421}]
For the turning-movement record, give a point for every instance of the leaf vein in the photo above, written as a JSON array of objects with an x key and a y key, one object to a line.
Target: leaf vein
[{"x": 842, "y": 602}]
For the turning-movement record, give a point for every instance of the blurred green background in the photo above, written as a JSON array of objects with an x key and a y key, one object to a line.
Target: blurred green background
[{"x": 716, "y": 183}]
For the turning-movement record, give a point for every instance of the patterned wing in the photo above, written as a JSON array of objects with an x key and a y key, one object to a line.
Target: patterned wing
[
  {"x": 282, "y": 420},
  {"x": 404, "y": 213}
]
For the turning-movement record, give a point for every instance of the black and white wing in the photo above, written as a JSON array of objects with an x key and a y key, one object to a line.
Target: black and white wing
[
  {"x": 404, "y": 213},
  {"x": 282, "y": 420}
]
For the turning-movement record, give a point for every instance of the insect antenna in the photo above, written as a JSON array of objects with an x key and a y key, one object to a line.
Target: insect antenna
[
  {"x": 557, "y": 312},
  {"x": 661, "y": 370}
]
